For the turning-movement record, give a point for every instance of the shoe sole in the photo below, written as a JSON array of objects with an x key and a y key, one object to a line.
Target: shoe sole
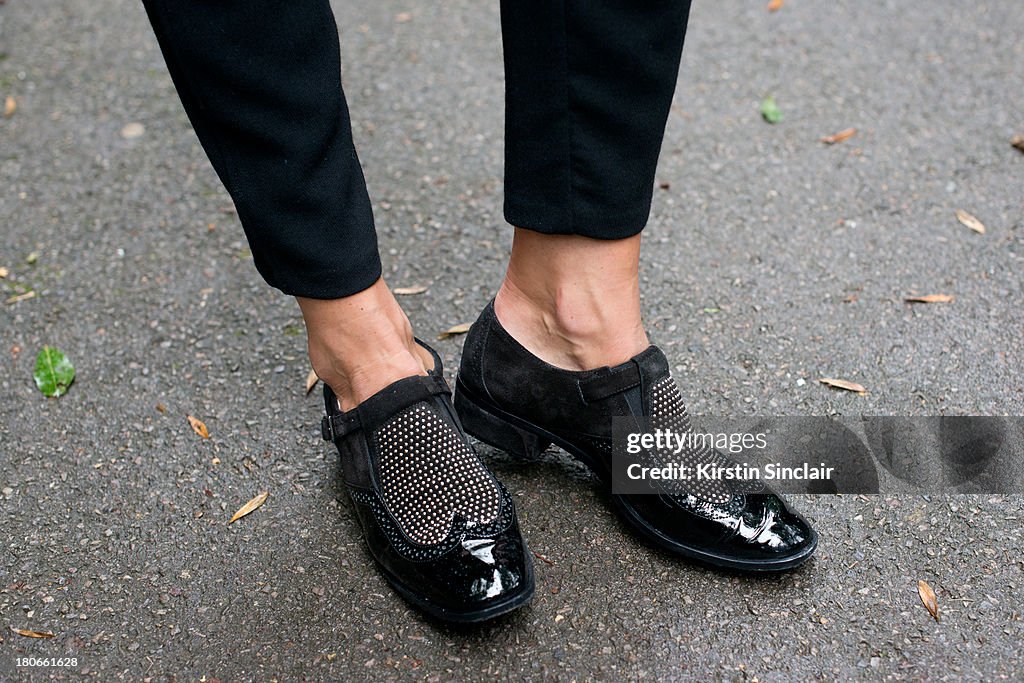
[{"x": 523, "y": 439}]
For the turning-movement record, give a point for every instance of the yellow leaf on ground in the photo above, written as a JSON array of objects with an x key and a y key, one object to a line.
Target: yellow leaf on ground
[
  {"x": 20, "y": 297},
  {"x": 408, "y": 291},
  {"x": 775, "y": 5},
  {"x": 4, "y": 272},
  {"x": 199, "y": 427},
  {"x": 1018, "y": 142},
  {"x": 455, "y": 331},
  {"x": 250, "y": 506},
  {"x": 29, "y": 633},
  {"x": 842, "y": 384},
  {"x": 970, "y": 221},
  {"x": 929, "y": 299},
  {"x": 311, "y": 380},
  {"x": 931, "y": 603},
  {"x": 840, "y": 136},
  {"x": 10, "y": 106}
]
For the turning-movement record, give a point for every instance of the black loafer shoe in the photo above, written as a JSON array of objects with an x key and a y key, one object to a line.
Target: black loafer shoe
[
  {"x": 512, "y": 400},
  {"x": 442, "y": 530}
]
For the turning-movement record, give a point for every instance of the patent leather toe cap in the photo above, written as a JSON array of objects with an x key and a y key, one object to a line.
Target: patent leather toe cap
[
  {"x": 754, "y": 532},
  {"x": 480, "y": 577},
  {"x": 769, "y": 528},
  {"x": 475, "y": 578}
]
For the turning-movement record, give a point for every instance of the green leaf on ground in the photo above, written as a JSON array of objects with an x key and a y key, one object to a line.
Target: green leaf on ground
[
  {"x": 54, "y": 373},
  {"x": 770, "y": 110}
]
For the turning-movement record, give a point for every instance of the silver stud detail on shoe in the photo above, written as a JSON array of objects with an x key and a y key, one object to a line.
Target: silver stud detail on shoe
[
  {"x": 668, "y": 411},
  {"x": 429, "y": 474}
]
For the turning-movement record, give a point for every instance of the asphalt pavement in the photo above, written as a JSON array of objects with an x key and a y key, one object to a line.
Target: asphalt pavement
[{"x": 772, "y": 259}]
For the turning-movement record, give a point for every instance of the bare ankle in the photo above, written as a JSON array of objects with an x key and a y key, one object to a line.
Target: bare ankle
[
  {"x": 360, "y": 344},
  {"x": 572, "y": 335},
  {"x": 573, "y": 302}
]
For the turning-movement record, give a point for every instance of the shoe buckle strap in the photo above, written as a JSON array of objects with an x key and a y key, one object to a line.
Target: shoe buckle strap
[
  {"x": 608, "y": 384},
  {"x": 337, "y": 425},
  {"x": 436, "y": 384}
]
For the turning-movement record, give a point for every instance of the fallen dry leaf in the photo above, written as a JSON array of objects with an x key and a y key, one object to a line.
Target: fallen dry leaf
[
  {"x": 199, "y": 427},
  {"x": 29, "y": 633},
  {"x": 970, "y": 221},
  {"x": 775, "y": 5},
  {"x": 840, "y": 136},
  {"x": 931, "y": 603},
  {"x": 10, "y": 106},
  {"x": 311, "y": 380},
  {"x": 403, "y": 17},
  {"x": 162, "y": 408},
  {"x": 20, "y": 297},
  {"x": 543, "y": 559},
  {"x": 4, "y": 272},
  {"x": 250, "y": 506},
  {"x": 132, "y": 130},
  {"x": 842, "y": 384},
  {"x": 408, "y": 291},
  {"x": 1018, "y": 142},
  {"x": 929, "y": 299},
  {"x": 455, "y": 331}
]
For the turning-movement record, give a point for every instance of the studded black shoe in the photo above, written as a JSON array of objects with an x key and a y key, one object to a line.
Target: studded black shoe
[
  {"x": 512, "y": 400},
  {"x": 442, "y": 530}
]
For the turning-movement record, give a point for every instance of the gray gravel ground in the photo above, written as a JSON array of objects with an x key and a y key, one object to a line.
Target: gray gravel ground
[{"x": 770, "y": 259}]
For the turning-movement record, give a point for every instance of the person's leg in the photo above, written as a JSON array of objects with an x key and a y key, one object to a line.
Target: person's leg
[
  {"x": 562, "y": 351},
  {"x": 261, "y": 83},
  {"x": 588, "y": 91}
]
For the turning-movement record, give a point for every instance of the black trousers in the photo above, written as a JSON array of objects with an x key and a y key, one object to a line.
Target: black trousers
[{"x": 588, "y": 85}]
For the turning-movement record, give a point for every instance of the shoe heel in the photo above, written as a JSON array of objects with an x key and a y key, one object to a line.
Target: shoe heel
[{"x": 495, "y": 431}]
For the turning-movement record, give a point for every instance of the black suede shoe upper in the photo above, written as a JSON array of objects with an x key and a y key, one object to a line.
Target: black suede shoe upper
[
  {"x": 442, "y": 529},
  {"x": 502, "y": 386}
]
